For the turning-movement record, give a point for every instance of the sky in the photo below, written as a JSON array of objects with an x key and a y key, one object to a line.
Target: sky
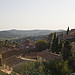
[{"x": 37, "y": 14}]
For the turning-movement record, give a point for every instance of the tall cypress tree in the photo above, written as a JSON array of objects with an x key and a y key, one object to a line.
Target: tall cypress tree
[
  {"x": 55, "y": 44},
  {"x": 67, "y": 30},
  {"x": 59, "y": 46}
]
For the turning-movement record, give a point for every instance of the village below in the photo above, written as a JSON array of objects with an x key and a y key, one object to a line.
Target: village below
[{"x": 49, "y": 54}]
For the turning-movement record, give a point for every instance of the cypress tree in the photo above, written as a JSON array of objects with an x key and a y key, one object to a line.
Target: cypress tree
[
  {"x": 67, "y": 51},
  {"x": 59, "y": 46},
  {"x": 55, "y": 44},
  {"x": 67, "y": 30}
]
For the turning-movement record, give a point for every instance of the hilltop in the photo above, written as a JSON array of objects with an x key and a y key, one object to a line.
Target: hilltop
[{"x": 15, "y": 34}]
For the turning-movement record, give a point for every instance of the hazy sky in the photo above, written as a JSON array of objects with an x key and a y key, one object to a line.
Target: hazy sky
[{"x": 37, "y": 14}]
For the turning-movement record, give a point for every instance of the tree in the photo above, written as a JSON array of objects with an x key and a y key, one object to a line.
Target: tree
[
  {"x": 2, "y": 73},
  {"x": 43, "y": 68},
  {"x": 50, "y": 37},
  {"x": 67, "y": 51},
  {"x": 59, "y": 46},
  {"x": 30, "y": 68},
  {"x": 57, "y": 68},
  {"x": 55, "y": 44},
  {"x": 67, "y": 30},
  {"x": 41, "y": 45},
  {"x": 71, "y": 63}
]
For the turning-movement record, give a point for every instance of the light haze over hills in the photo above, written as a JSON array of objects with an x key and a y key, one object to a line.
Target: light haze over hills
[{"x": 15, "y": 34}]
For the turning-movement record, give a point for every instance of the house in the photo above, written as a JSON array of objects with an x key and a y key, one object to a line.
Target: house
[
  {"x": 32, "y": 55},
  {"x": 70, "y": 35},
  {"x": 7, "y": 52},
  {"x": 47, "y": 56},
  {"x": 27, "y": 46},
  {"x": 72, "y": 32},
  {"x": 11, "y": 62},
  {"x": 28, "y": 43}
]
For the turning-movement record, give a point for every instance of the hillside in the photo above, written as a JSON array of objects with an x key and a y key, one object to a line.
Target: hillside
[{"x": 15, "y": 34}]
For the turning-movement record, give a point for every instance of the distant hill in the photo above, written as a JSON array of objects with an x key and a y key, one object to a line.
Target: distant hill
[{"x": 15, "y": 34}]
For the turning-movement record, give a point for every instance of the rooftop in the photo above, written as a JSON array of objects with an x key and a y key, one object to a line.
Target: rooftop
[
  {"x": 10, "y": 53},
  {"x": 14, "y": 61},
  {"x": 4, "y": 48},
  {"x": 49, "y": 55}
]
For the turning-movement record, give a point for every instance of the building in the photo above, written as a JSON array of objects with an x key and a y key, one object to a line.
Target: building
[
  {"x": 32, "y": 55},
  {"x": 47, "y": 56},
  {"x": 70, "y": 35},
  {"x": 27, "y": 46},
  {"x": 72, "y": 32},
  {"x": 11, "y": 62},
  {"x": 7, "y": 54}
]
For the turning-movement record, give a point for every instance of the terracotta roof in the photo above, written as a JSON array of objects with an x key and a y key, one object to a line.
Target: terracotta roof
[
  {"x": 4, "y": 49},
  {"x": 11, "y": 53},
  {"x": 49, "y": 55},
  {"x": 32, "y": 54},
  {"x": 13, "y": 61}
]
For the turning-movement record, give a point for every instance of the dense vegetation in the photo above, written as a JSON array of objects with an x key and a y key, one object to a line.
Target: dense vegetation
[
  {"x": 67, "y": 51},
  {"x": 56, "y": 45},
  {"x": 41, "y": 68},
  {"x": 41, "y": 45},
  {"x": 2, "y": 73}
]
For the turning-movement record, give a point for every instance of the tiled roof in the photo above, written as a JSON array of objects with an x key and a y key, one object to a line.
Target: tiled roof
[
  {"x": 3, "y": 50},
  {"x": 13, "y": 61},
  {"x": 49, "y": 55},
  {"x": 11, "y": 53},
  {"x": 32, "y": 54}
]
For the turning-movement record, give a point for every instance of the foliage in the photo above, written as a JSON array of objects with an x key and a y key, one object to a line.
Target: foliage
[
  {"x": 41, "y": 45},
  {"x": 2, "y": 73},
  {"x": 55, "y": 44},
  {"x": 72, "y": 39},
  {"x": 42, "y": 68},
  {"x": 66, "y": 51},
  {"x": 57, "y": 68},
  {"x": 71, "y": 63},
  {"x": 50, "y": 37},
  {"x": 60, "y": 44},
  {"x": 13, "y": 73},
  {"x": 30, "y": 68}
]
